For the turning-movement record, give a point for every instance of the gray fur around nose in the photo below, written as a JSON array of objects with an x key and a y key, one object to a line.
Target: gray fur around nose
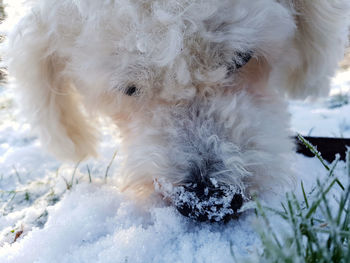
[{"x": 202, "y": 171}]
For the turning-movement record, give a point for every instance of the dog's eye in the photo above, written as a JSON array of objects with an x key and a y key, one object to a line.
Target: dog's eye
[
  {"x": 131, "y": 90},
  {"x": 239, "y": 61}
]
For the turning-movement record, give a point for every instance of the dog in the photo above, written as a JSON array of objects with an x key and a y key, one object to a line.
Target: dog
[{"x": 196, "y": 88}]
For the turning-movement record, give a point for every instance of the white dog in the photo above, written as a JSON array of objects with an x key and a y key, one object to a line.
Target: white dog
[{"x": 195, "y": 87}]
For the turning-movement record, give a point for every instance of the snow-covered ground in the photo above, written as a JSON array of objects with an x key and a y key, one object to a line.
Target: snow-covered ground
[{"x": 52, "y": 212}]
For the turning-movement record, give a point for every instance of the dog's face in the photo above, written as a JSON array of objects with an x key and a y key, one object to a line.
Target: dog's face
[
  {"x": 187, "y": 83},
  {"x": 160, "y": 51},
  {"x": 187, "y": 87}
]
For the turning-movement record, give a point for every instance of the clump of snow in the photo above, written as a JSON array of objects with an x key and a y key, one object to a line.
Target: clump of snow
[{"x": 95, "y": 223}]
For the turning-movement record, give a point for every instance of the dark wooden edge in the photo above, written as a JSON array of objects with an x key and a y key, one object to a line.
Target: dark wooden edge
[{"x": 328, "y": 147}]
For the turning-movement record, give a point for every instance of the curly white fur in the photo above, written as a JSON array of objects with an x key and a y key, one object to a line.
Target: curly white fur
[{"x": 193, "y": 108}]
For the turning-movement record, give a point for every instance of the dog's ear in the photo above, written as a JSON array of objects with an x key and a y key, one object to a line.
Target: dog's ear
[
  {"x": 47, "y": 97},
  {"x": 318, "y": 46}
]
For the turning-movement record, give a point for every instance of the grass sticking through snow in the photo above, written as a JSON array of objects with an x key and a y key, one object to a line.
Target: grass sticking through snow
[{"x": 319, "y": 228}]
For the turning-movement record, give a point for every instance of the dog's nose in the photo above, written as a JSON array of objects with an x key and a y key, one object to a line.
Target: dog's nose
[{"x": 205, "y": 201}]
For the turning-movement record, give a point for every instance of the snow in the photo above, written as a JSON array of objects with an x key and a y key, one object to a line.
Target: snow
[
  {"x": 96, "y": 224},
  {"x": 327, "y": 118},
  {"x": 65, "y": 217}
]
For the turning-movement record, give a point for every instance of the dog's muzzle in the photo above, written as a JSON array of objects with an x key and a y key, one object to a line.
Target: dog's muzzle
[
  {"x": 204, "y": 192},
  {"x": 207, "y": 201}
]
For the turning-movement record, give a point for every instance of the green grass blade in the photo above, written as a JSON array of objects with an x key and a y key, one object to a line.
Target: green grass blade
[
  {"x": 313, "y": 150},
  {"x": 304, "y": 194},
  {"x": 110, "y": 164}
]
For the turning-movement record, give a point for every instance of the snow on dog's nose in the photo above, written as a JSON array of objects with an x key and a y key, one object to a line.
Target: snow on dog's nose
[
  {"x": 207, "y": 201},
  {"x": 204, "y": 199}
]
